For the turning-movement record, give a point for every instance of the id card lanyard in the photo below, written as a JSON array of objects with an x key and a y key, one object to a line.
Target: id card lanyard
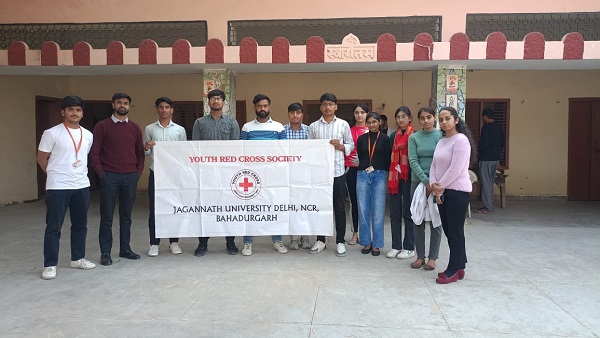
[
  {"x": 372, "y": 151},
  {"x": 77, "y": 147}
]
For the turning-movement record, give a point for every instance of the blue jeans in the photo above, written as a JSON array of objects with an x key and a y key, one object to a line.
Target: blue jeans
[
  {"x": 370, "y": 191},
  {"x": 123, "y": 186},
  {"x": 250, "y": 239},
  {"x": 57, "y": 202}
]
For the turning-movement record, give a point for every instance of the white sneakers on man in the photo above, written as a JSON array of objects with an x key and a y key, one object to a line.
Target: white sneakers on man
[
  {"x": 175, "y": 249},
  {"x": 49, "y": 272},
  {"x": 404, "y": 254},
  {"x": 340, "y": 250},
  {"x": 153, "y": 251},
  {"x": 247, "y": 250},
  {"x": 392, "y": 253},
  {"x": 83, "y": 264},
  {"x": 318, "y": 247}
]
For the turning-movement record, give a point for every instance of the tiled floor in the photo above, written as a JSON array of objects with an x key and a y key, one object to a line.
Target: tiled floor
[{"x": 534, "y": 271}]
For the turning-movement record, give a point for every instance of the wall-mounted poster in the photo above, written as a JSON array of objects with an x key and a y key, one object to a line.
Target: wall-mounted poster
[
  {"x": 452, "y": 101},
  {"x": 452, "y": 83}
]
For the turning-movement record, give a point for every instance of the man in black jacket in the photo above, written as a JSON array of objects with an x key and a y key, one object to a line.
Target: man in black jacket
[{"x": 491, "y": 142}]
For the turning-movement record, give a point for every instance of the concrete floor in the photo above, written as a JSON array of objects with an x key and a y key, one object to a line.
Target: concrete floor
[{"x": 534, "y": 271}]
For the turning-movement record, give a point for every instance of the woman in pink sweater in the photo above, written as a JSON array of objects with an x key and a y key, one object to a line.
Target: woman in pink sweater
[{"x": 449, "y": 178}]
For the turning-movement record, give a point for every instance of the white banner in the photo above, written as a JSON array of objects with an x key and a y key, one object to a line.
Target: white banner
[{"x": 234, "y": 188}]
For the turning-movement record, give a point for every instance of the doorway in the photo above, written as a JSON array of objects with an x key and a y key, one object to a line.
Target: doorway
[{"x": 583, "y": 181}]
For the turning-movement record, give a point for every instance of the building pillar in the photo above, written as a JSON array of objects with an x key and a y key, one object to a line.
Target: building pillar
[
  {"x": 223, "y": 79},
  {"x": 449, "y": 88}
]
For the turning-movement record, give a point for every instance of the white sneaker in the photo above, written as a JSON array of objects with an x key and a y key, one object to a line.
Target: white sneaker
[
  {"x": 247, "y": 250},
  {"x": 318, "y": 247},
  {"x": 280, "y": 247},
  {"x": 340, "y": 250},
  {"x": 49, "y": 272},
  {"x": 175, "y": 249},
  {"x": 304, "y": 242},
  {"x": 404, "y": 254},
  {"x": 294, "y": 244},
  {"x": 83, "y": 264},
  {"x": 392, "y": 253},
  {"x": 153, "y": 251}
]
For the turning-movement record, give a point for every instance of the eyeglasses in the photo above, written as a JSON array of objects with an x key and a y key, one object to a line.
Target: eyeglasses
[
  {"x": 216, "y": 98},
  {"x": 328, "y": 104}
]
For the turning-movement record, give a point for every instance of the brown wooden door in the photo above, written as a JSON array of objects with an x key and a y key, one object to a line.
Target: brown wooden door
[
  {"x": 583, "y": 181},
  {"x": 47, "y": 115}
]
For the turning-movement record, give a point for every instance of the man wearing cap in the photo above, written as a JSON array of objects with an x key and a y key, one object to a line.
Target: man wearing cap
[
  {"x": 62, "y": 155},
  {"x": 216, "y": 126},
  {"x": 117, "y": 156},
  {"x": 162, "y": 130}
]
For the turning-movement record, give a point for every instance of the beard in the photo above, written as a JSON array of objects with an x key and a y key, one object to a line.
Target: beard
[
  {"x": 122, "y": 112},
  {"x": 262, "y": 114}
]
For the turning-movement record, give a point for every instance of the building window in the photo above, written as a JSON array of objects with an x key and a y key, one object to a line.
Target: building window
[
  {"x": 501, "y": 108},
  {"x": 334, "y": 30},
  {"x": 516, "y": 25}
]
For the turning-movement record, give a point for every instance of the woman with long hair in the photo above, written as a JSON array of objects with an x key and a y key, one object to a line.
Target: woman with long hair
[
  {"x": 374, "y": 150},
  {"x": 421, "y": 146},
  {"x": 449, "y": 179},
  {"x": 357, "y": 128},
  {"x": 399, "y": 187}
]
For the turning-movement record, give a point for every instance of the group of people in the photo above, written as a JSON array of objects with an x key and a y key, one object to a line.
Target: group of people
[
  {"x": 433, "y": 160},
  {"x": 368, "y": 165}
]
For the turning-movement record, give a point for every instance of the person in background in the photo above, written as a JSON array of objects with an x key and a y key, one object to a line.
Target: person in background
[
  {"x": 358, "y": 127},
  {"x": 374, "y": 152},
  {"x": 399, "y": 182},
  {"x": 63, "y": 156},
  {"x": 449, "y": 179},
  {"x": 421, "y": 146},
  {"x": 491, "y": 143},
  {"x": 162, "y": 130}
]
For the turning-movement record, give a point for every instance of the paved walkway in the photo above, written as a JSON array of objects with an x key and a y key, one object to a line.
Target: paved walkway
[{"x": 534, "y": 271}]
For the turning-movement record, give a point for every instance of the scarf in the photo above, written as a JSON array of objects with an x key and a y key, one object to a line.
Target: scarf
[{"x": 399, "y": 159}]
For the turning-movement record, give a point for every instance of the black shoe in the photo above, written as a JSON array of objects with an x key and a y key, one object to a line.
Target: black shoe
[
  {"x": 105, "y": 259},
  {"x": 129, "y": 254},
  {"x": 201, "y": 250},
  {"x": 375, "y": 253},
  {"x": 231, "y": 248},
  {"x": 366, "y": 250}
]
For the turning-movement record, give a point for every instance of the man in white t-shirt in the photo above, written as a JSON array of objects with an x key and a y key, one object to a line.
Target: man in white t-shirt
[{"x": 62, "y": 154}]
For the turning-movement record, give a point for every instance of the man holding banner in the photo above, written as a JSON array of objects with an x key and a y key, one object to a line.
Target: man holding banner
[
  {"x": 263, "y": 128},
  {"x": 216, "y": 126},
  {"x": 337, "y": 131},
  {"x": 162, "y": 130}
]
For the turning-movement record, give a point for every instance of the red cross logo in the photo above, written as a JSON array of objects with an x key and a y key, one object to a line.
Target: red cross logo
[{"x": 246, "y": 184}]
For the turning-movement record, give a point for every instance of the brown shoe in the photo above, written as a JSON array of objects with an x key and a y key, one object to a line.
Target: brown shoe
[
  {"x": 430, "y": 265},
  {"x": 417, "y": 264}
]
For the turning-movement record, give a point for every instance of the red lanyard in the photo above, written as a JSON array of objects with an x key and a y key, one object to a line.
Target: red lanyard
[
  {"x": 372, "y": 151},
  {"x": 77, "y": 147}
]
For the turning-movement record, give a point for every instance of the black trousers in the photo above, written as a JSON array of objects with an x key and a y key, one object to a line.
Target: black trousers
[
  {"x": 151, "y": 219},
  {"x": 453, "y": 212},
  {"x": 400, "y": 210},
  {"x": 123, "y": 186},
  {"x": 339, "y": 209},
  {"x": 351, "y": 184}
]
